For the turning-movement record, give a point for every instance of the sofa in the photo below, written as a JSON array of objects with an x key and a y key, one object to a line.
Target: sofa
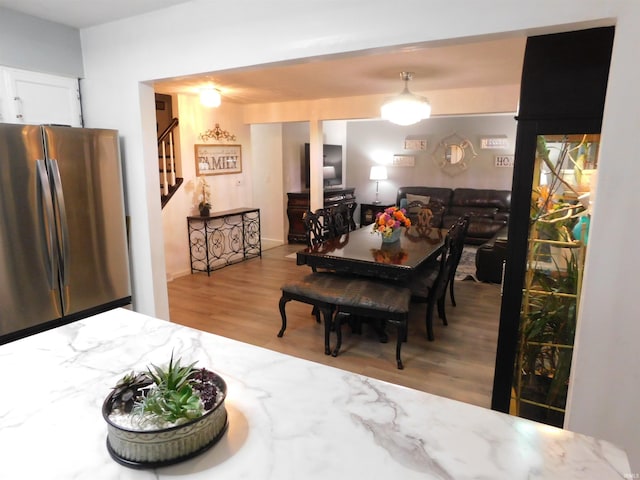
[
  {"x": 490, "y": 258},
  {"x": 488, "y": 210}
]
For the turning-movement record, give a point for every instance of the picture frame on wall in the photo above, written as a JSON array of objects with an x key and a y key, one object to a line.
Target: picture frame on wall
[
  {"x": 403, "y": 161},
  {"x": 218, "y": 159}
]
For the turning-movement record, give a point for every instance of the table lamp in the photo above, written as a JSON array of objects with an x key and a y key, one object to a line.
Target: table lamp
[
  {"x": 378, "y": 172},
  {"x": 328, "y": 174}
]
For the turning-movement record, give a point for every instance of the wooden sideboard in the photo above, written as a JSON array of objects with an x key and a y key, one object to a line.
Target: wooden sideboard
[{"x": 299, "y": 202}]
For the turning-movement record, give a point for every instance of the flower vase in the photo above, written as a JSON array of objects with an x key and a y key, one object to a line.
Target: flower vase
[
  {"x": 394, "y": 237},
  {"x": 204, "y": 212}
]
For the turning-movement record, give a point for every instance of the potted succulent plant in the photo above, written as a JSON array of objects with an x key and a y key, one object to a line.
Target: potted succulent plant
[{"x": 164, "y": 415}]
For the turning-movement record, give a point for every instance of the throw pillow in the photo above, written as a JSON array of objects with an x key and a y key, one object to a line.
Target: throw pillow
[{"x": 418, "y": 198}]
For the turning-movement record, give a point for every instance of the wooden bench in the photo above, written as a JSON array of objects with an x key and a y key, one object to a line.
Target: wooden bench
[{"x": 333, "y": 293}]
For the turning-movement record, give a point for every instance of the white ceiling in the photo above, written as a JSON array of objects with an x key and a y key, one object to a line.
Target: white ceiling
[
  {"x": 443, "y": 66},
  {"x": 478, "y": 64},
  {"x": 86, "y": 13}
]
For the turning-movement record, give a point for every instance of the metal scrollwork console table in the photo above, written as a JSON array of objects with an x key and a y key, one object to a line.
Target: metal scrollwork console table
[{"x": 224, "y": 238}]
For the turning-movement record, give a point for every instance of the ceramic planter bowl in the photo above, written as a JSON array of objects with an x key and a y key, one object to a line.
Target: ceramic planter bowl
[{"x": 156, "y": 448}]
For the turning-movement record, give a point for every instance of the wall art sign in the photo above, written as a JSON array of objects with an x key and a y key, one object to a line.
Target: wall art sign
[
  {"x": 504, "y": 160},
  {"x": 403, "y": 161},
  {"x": 494, "y": 142},
  {"x": 218, "y": 159},
  {"x": 415, "y": 144}
]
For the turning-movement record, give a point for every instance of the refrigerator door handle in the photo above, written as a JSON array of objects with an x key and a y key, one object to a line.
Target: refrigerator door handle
[
  {"x": 48, "y": 225},
  {"x": 62, "y": 216}
]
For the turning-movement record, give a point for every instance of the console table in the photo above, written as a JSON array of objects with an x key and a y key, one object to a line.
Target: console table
[
  {"x": 300, "y": 202},
  {"x": 224, "y": 238}
]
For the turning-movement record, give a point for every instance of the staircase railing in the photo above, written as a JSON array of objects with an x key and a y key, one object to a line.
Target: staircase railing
[{"x": 166, "y": 151}]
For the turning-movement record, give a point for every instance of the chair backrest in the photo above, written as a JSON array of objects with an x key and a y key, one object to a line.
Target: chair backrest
[
  {"x": 431, "y": 280},
  {"x": 457, "y": 233},
  {"x": 444, "y": 269},
  {"x": 316, "y": 227},
  {"x": 420, "y": 215},
  {"x": 339, "y": 220}
]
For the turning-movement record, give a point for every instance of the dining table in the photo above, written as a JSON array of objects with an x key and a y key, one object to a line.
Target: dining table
[
  {"x": 288, "y": 418},
  {"x": 362, "y": 252}
]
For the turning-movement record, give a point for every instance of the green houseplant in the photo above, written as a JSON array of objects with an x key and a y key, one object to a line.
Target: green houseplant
[
  {"x": 164, "y": 414},
  {"x": 551, "y": 293},
  {"x": 547, "y": 331}
]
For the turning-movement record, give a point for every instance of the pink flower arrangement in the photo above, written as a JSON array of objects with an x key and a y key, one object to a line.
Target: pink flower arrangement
[{"x": 389, "y": 220}]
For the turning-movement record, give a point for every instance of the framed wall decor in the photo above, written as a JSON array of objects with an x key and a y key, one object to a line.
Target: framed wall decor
[
  {"x": 403, "y": 161},
  {"x": 494, "y": 142},
  {"x": 415, "y": 144},
  {"x": 453, "y": 154},
  {"x": 218, "y": 159},
  {"x": 504, "y": 160}
]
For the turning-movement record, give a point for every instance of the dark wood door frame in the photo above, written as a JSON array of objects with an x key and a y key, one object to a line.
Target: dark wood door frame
[{"x": 559, "y": 94}]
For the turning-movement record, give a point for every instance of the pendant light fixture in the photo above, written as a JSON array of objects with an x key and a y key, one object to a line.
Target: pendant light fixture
[
  {"x": 406, "y": 108},
  {"x": 210, "y": 97}
]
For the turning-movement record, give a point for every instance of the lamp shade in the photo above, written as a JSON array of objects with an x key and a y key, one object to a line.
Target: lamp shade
[
  {"x": 378, "y": 172},
  {"x": 210, "y": 97},
  {"x": 329, "y": 173},
  {"x": 405, "y": 108}
]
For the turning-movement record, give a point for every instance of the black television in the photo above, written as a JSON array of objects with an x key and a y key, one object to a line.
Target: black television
[{"x": 331, "y": 163}]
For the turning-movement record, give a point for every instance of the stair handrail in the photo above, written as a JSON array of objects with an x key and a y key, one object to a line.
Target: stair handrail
[
  {"x": 164, "y": 181},
  {"x": 168, "y": 130}
]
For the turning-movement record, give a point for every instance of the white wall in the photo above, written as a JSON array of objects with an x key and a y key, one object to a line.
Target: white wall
[
  {"x": 294, "y": 135},
  {"x": 374, "y": 142},
  {"x": 31, "y": 43},
  {"x": 225, "y": 191},
  {"x": 119, "y": 55},
  {"x": 268, "y": 182}
]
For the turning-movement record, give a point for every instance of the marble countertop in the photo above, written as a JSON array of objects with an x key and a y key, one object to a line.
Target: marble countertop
[{"x": 288, "y": 418}]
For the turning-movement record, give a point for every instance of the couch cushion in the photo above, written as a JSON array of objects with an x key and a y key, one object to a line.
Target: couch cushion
[
  {"x": 418, "y": 198},
  {"x": 474, "y": 197},
  {"x": 476, "y": 211},
  {"x": 438, "y": 195}
]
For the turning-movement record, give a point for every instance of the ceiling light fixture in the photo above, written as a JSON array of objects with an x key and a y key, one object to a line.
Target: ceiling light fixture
[
  {"x": 406, "y": 108},
  {"x": 210, "y": 97}
]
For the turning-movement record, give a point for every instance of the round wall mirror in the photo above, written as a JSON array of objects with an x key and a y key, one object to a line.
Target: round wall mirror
[{"x": 453, "y": 154}]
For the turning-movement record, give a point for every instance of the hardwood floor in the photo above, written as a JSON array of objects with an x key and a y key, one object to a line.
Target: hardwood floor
[{"x": 241, "y": 302}]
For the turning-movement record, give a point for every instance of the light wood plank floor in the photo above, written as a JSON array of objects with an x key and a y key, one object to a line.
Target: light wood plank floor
[{"x": 241, "y": 302}]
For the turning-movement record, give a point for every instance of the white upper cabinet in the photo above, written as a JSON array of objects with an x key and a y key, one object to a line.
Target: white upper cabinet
[{"x": 39, "y": 98}]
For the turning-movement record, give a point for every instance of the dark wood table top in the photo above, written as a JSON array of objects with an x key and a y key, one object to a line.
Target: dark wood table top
[{"x": 362, "y": 252}]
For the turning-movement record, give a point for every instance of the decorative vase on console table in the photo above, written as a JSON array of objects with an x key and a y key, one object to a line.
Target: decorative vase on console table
[
  {"x": 205, "y": 211},
  {"x": 204, "y": 206}
]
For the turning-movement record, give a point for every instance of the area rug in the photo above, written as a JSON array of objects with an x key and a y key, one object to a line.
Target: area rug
[
  {"x": 467, "y": 266},
  {"x": 291, "y": 255}
]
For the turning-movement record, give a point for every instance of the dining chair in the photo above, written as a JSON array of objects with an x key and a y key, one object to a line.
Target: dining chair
[
  {"x": 339, "y": 220},
  {"x": 316, "y": 227},
  {"x": 457, "y": 247},
  {"x": 429, "y": 285}
]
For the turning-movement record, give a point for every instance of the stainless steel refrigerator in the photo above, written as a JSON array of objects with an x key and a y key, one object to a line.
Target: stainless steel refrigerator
[{"x": 63, "y": 240}]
